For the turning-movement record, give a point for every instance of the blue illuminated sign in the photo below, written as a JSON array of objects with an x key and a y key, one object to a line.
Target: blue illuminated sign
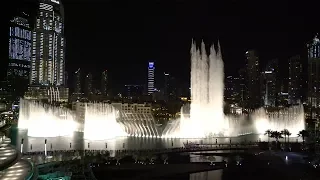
[{"x": 151, "y": 65}]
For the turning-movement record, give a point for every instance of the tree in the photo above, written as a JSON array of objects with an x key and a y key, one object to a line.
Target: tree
[
  {"x": 118, "y": 157},
  {"x": 277, "y": 135},
  {"x": 153, "y": 159},
  {"x": 135, "y": 156},
  {"x": 164, "y": 157},
  {"x": 212, "y": 159},
  {"x": 286, "y": 134},
  {"x": 107, "y": 157},
  {"x": 303, "y": 134},
  {"x": 143, "y": 158},
  {"x": 268, "y": 132}
]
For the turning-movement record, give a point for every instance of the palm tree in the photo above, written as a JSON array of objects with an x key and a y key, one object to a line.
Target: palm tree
[
  {"x": 303, "y": 134},
  {"x": 286, "y": 134},
  {"x": 277, "y": 135},
  {"x": 268, "y": 132}
]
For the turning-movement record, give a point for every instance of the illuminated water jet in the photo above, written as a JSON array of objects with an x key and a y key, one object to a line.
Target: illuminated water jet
[
  {"x": 100, "y": 122},
  {"x": 206, "y": 110},
  {"x": 44, "y": 120},
  {"x": 291, "y": 118}
]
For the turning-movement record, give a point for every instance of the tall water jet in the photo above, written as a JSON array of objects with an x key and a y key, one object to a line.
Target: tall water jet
[
  {"x": 207, "y": 86},
  {"x": 45, "y": 120},
  {"x": 100, "y": 122}
]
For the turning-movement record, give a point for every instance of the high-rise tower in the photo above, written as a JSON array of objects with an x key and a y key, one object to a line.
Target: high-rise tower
[
  {"x": 314, "y": 76},
  {"x": 88, "y": 90},
  {"x": 104, "y": 83},
  {"x": 48, "y": 54},
  {"x": 151, "y": 81},
  {"x": 295, "y": 80},
  {"x": 253, "y": 79},
  {"x": 19, "y": 55},
  {"x": 77, "y": 82},
  {"x": 48, "y": 45}
]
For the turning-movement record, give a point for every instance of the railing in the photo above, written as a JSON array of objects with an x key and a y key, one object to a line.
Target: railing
[{"x": 30, "y": 175}]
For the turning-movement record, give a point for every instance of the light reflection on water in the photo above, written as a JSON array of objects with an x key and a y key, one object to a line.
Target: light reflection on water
[{"x": 209, "y": 175}]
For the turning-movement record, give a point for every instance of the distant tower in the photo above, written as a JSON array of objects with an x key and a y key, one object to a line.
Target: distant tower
[
  {"x": 270, "y": 85},
  {"x": 151, "y": 80},
  {"x": 104, "y": 83},
  {"x": 88, "y": 85},
  {"x": 19, "y": 55},
  {"x": 253, "y": 79},
  {"x": 314, "y": 76},
  {"x": 295, "y": 80},
  {"x": 77, "y": 82},
  {"x": 166, "y": 86}
]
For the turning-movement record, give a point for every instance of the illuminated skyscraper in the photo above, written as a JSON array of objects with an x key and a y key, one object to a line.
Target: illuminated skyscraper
[
  {"x": 295, "y": 80},
  {"x": 253, "y": 79},
  {"x": 77, "y": 82},
  {"x": 104, "y": 83},
  {"x": 19, "y": 55},
  {"x": 88, "y": 85},
  {"x": 151, "y": 81},
  {"x": 47, "y": 79},
  {"x": 48, "y": 45},
  {"x": 270, "y": 86},
  {"x": 314, "y": 76},
  {"x": 166, "y": 86}
]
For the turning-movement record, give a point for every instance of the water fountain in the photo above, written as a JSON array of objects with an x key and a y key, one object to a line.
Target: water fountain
[
  {"x": 138, "y": 124},
  {"x": 205, "y": 118},
  {"x": 100, "y": 122},
  {"x": 206, "y": 109},
  {"x": 43, "y": 120},
  {"x": 291, "y": 118}
]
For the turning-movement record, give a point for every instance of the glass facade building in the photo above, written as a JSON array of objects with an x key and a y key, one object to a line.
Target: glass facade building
[
  {"x": 48, "y": 45},
  {"x": 19, "y": 54}
]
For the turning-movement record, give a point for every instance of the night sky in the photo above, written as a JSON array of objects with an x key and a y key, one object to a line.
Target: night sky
[{"x": 123, "y": 37}]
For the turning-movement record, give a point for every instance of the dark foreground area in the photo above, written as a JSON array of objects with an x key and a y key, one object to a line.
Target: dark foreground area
[{"x": 263, "y": 166}]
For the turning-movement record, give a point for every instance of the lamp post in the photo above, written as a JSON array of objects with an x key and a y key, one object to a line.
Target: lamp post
[
  {"x": 22, "y": 140},
  {"x": 45, "y": 147}
]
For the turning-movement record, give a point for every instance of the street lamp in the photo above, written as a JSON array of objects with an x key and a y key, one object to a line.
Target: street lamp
[
  {"x": 45, "y": 147},
  {"x": 21, "y": 145}
]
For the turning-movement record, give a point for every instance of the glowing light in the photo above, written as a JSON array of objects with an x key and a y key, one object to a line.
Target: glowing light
[
  {"x": 100, "y": 122},
  {"x": 206, "y": 109},
  {"x": 42, "y": 120},
  {"x": 290, "y": 118}
]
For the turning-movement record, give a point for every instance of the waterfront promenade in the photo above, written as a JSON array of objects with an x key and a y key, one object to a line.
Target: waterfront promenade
[{"x": 11, "y": 164}]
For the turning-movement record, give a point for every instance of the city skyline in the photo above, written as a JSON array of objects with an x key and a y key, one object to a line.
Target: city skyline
[{"x": 174, "y": 45}]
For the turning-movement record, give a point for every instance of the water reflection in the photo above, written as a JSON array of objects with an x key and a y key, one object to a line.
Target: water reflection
[{"x": 209, "y": 175}]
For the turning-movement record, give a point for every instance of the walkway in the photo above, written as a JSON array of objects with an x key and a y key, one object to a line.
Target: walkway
[
  {"x": 11, "y": 166},
  {"x": 209, "y": 148},
  {"x": 7, "y": 154}
]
